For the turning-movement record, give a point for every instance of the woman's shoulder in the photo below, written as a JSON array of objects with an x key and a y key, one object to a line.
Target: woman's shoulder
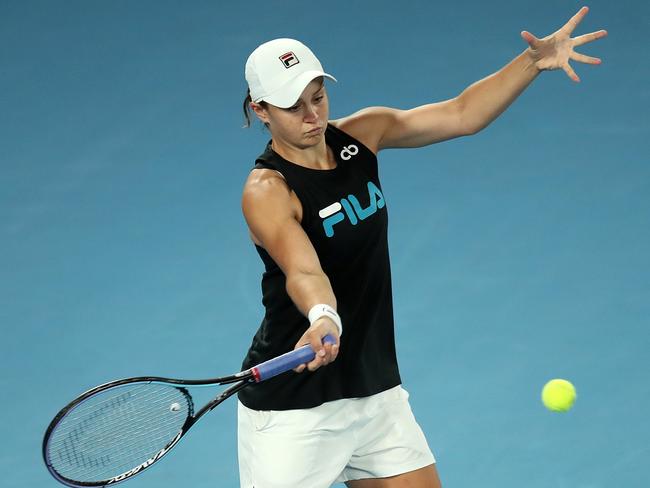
[
  {"x": 367, "y": 125},
  {"x": 263, "y": 180}
]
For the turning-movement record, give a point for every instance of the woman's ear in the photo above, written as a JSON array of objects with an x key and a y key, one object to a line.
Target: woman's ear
[{"x": 260, "y": 112}]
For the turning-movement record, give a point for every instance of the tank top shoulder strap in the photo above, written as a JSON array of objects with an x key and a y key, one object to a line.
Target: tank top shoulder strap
[
  {"x": 266, "y": 160},
  {"x": 290, "y": 173},
  {"x": 348, "y": 149}
]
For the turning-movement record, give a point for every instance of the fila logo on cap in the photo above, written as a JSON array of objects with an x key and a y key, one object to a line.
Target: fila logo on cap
[{"x": 289, "y": 59}]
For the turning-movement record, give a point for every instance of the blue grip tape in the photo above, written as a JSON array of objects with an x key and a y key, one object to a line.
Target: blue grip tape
[{"x": 290, "y": 360}]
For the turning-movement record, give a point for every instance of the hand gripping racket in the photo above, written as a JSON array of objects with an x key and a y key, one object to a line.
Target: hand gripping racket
[{"x": 117, "y": 430}]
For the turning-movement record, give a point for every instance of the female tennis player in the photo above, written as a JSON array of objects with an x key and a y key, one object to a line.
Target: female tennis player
[{"x": 317, "y": 215}]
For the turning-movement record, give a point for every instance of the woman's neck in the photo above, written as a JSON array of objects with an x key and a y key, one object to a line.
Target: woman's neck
[{"x": 318, "y": 156}]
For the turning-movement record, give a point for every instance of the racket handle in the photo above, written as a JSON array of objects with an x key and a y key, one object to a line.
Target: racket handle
[{"x": 290, "y": 360}]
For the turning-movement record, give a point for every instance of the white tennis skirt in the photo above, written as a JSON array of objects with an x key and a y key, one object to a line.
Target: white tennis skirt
[{"x": 343, "y": 440}]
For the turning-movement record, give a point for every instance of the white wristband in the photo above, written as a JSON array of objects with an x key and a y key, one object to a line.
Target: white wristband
[{"x": 324, "y": 310}]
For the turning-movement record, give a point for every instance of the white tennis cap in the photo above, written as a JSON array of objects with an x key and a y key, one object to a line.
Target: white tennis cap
[{"x": 278, "y": 71}]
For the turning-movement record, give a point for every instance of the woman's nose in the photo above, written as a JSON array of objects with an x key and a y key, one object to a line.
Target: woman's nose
[{"x": 310, "y": 113}]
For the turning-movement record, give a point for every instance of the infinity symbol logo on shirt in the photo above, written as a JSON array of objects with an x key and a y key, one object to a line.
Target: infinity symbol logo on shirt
[{"x": 349, "y": 151}]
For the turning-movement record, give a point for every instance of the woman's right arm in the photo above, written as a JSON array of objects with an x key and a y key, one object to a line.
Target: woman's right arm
[{"x": 273, "y": 213}]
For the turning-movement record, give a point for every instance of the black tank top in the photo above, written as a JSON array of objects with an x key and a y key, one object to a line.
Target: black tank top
[{"x": 344, "y": 215}]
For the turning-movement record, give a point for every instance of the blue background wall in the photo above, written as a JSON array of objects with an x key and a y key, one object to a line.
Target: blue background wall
[{"x": 123, "y": 250}]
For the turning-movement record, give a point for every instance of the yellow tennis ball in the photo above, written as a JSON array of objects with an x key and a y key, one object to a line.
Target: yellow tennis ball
[{"x": 558, "y": 395}]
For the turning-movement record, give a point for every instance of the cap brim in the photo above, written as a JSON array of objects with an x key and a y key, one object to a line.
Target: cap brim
[{"x": 289, "y": 94}]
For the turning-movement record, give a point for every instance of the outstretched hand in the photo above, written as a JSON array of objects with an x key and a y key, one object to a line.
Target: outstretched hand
[{"x": 555, "y": 51}]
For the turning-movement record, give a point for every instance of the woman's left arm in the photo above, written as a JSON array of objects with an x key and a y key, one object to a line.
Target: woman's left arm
[
  {"x": 485, "y": 100},
  {"x": 478, "y": 105}
]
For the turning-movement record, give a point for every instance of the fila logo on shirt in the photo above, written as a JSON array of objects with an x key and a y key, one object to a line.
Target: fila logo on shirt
[
  {"x": 348, "y": 151},
  {"x": 289, "y": 59},
  {"x": 351, "y": 208}
]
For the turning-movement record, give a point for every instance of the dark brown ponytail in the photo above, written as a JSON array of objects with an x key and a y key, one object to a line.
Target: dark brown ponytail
[{"x": 247, "y": 109}]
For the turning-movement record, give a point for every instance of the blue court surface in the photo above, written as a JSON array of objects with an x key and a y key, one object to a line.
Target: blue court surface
[{"x": 519, "y": 254}]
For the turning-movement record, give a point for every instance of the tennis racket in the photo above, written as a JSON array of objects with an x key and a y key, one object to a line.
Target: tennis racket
[{"x": 117, "y": 430}]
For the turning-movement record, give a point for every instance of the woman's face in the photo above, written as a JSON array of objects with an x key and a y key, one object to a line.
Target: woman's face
[{"x": 302, "y": 124}]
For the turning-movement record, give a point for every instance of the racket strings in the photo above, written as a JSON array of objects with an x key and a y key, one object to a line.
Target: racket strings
[{"x": 117, "y": 430}]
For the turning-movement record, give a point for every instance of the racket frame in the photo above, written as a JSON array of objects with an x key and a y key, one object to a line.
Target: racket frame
[{"x": 239, "y": 381}]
